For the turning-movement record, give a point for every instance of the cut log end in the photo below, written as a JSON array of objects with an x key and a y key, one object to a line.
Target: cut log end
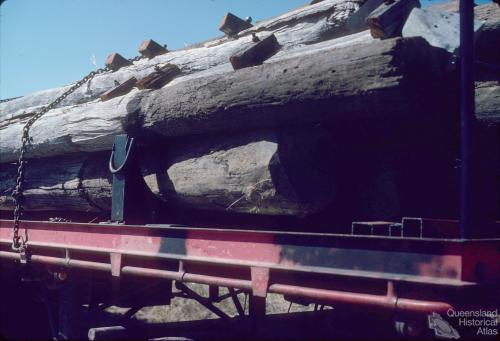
[{"x": 269, "y": 173}]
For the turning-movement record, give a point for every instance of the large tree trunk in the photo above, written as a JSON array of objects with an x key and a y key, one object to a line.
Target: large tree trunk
[
  {"x": 286, "y": 172},
  {"x": 390, "y": 78},
  {"x": 91, "y": 126},
  {"x": 305, "y": 25},
  {"x": 322, "y": 79},
  {"x": 69, "y": 183}
]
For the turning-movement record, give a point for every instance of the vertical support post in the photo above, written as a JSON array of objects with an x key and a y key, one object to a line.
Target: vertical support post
[
  {"x": 120, "y": 154},
  {"x": 257, "y": 304},
  {"x": 467, "y": 108},
  {"x": 257, "y": 307},
  {"x": 213, "y": 293}
]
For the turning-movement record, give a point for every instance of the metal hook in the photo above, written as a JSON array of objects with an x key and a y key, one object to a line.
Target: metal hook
[{"x": 128, "y": 147}]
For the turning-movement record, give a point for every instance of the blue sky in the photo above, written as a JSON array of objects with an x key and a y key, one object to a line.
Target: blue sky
[{"x": 49, "y": 43}]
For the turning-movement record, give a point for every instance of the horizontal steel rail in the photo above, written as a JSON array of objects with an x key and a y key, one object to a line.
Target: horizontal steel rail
[{"x": 386, "y": 302}]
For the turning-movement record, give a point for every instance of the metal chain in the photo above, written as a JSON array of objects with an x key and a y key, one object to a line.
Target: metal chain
[
  {"x": 19, "y": 242},
  {"x": 9, "y": 99}
]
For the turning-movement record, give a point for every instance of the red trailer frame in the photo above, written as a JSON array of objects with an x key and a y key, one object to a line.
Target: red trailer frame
[{"x": 385, "y": 272}]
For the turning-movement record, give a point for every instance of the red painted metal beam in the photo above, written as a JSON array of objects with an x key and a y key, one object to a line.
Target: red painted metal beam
[
  {"x": 387, "y": 302},
  {"x": 360, "y": 299}
]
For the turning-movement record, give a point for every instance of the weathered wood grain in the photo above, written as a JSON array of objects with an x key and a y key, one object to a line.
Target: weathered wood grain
[
  {"x": 390, "y": 78},
  {"x": 488, "y": 101},
  {"x": 161, "y": 76},
  {"x": 116, "y": 61},
  {"x": 256, "y": 53},
  {"x": 286, "y": 172},
  {"x": 231, "y": 24},
  {"x": 489, "y": 38},
  {"x": 150, "y": 49},
  {"x": 439, "y": 28},
  {"x": 71, "y": 183},
  {"x": 86, "y": 127},
  {"x": 119, "y": 90},
  {"x": 293, "y": 29},
  {"x": 387, "y": 20},
  {"x": 91, "y": 126},
  {"x": 488, "y": 42}
]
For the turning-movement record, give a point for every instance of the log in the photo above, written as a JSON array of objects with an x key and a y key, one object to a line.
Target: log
[
  {"x": 488, "y": 102},
  {"x": 293, "y": 29},
  {"x": 91, "y": 126},
  {"x": 401, "y": 78},
  {"x": 387, "y": 20},
  {"x": 284, "y": 172},
  {"x": 439, "y": 28},
  {"x": 355, "y": 23},
  {"x": 70, "y": 183},
  {"x": 488, "y": 42}
]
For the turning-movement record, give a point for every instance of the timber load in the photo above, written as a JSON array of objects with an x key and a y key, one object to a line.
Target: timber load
[{"x": 336, "y": 104}]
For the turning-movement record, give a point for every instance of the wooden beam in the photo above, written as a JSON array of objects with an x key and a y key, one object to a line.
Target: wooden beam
[
  {"x": 150, "y": 49},
  {"x": 160, "y": 77},
  {"x": 119, "y": 90},
  {"x": 232, "y": 25},
  {"x": 116, "y": 61},
  {"x": 256, "y": 53}
]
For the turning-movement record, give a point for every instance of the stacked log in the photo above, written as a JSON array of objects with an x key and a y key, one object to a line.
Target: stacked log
[{"x": 280, "y": 138}]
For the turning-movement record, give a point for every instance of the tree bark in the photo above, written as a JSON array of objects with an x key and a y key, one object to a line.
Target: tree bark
[
  {"x": 305, "y": 25},
  {"x": 400, "y": 78},
  {"x": 286, "y": 172},
  {"x": 90, "y": 127},
  {"x": 70, "y": 183},
  {"x": 488, "y": 102}
]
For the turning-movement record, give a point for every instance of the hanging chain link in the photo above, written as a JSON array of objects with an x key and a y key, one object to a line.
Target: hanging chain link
[{"x": 19, "y": 243}]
